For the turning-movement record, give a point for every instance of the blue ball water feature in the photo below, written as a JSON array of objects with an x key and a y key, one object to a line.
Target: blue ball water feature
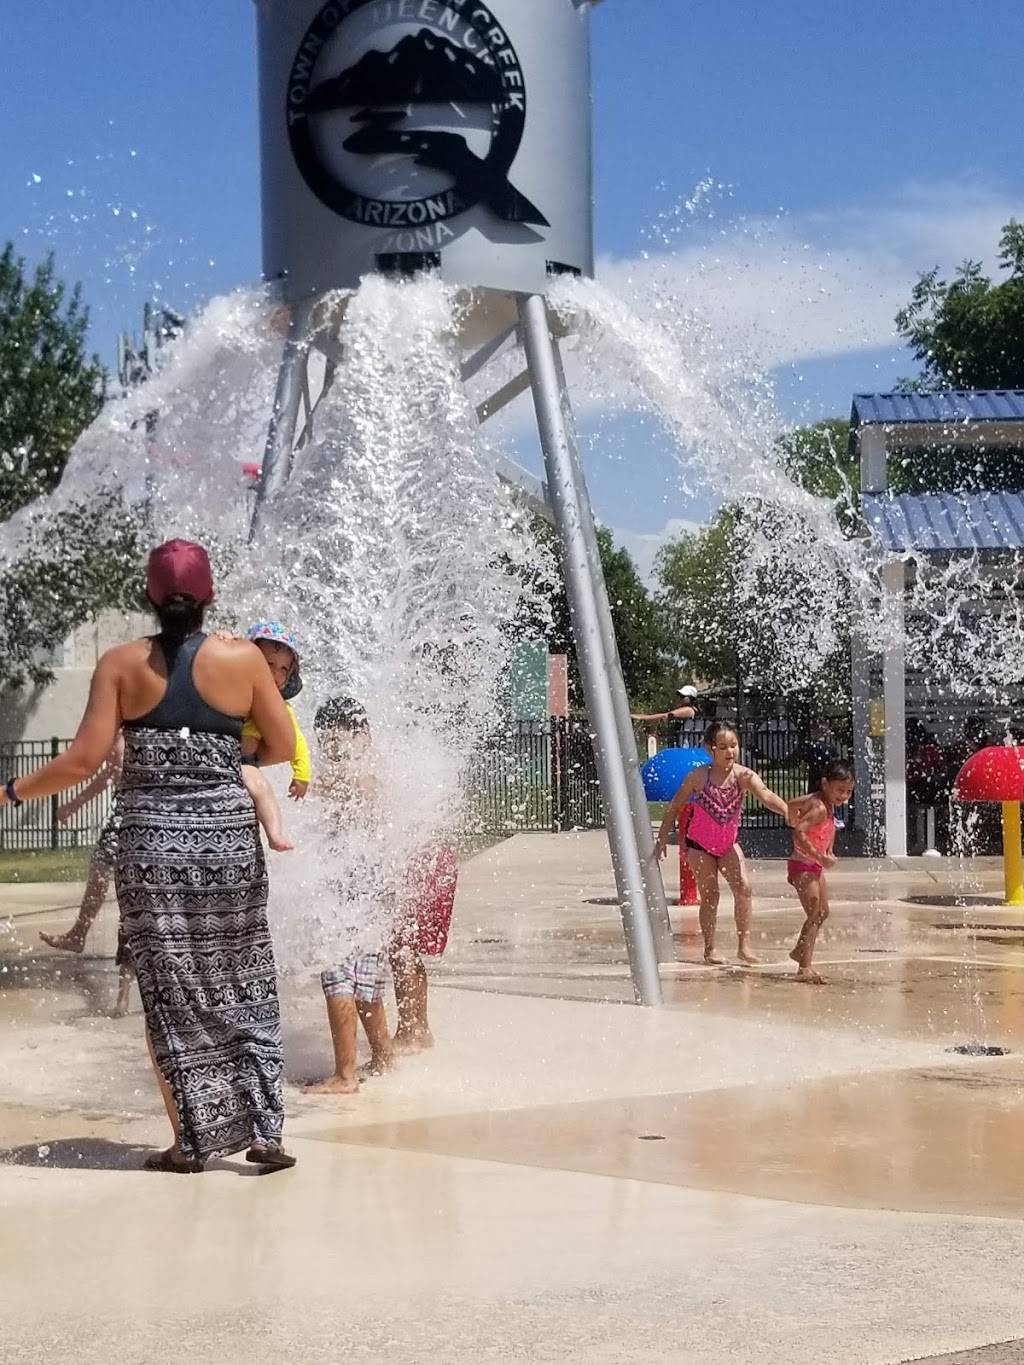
[{"x": 666, "y": 772}]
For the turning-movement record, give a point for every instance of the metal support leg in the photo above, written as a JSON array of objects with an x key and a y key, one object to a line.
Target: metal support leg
[
  {"x": 563, "y": 483},
  {"x": 654, "y": 887},
  {"x": 291, "y": 377}
]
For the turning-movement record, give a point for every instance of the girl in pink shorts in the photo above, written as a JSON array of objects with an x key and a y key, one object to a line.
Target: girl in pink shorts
[
  {"x": 717, "y": 794},
  {"x": 814, "y": 832}
]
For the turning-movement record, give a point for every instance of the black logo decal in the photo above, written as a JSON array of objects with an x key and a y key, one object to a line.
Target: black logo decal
[{"x": 458, "y": 61}]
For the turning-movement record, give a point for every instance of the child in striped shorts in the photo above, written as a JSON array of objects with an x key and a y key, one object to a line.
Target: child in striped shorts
[{"x": 355, "y": 988}]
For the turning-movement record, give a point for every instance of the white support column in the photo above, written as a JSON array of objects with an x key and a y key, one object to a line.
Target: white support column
[
  {"x": 865, "y": 817},
  {"x": 873, "y": 453},
  {"x": 895, "y": 695}
]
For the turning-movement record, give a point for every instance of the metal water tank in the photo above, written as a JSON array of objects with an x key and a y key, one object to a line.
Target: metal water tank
[{"x": 398, "y": 134}]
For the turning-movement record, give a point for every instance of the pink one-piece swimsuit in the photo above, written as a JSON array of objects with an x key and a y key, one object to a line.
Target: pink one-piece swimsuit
[
  {"x": 822, "y": 838},
  {"x": 715, "y": 817}
]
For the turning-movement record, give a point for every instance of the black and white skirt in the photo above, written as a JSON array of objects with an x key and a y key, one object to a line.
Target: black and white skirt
[{"x": 192, "y": 888}]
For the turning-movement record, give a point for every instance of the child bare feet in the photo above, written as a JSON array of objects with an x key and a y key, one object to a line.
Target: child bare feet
[
  {"x": 810, "y": 977},
  {"x": 333, "y": 1085},
  {"x": 71, "y": 942},
  {"x": 407, "y": 1042},
  {"x": 745, "y": 956},
  {"x": 711, "y": 961},
  {"x": 378, "y": 1065}
]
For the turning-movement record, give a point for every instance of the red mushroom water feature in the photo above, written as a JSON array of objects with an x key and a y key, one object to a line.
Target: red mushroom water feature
[{"x": 997, "y": 774}]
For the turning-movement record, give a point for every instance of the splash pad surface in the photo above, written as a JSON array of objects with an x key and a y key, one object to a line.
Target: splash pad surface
[{"x": 803, "y": 1128}]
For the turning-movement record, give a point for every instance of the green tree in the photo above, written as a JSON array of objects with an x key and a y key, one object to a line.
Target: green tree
[
  {"x": 88, "y": 558},
  {"x": 50, "y": 390},
  {"x": 968, "y": 332},
  {"x": 649, "y": 660}
]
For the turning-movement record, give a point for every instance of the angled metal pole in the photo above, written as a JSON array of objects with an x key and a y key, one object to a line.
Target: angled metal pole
[
  {"x": 564, "y": 485},
  {"x": 657, "y": 903},
  {"x": 277, "y": 457}
]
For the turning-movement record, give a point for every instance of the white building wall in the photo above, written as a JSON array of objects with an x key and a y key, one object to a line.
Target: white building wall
[{"x": 32, "y": 713}]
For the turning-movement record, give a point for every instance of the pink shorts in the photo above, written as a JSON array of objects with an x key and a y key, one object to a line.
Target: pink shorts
[{"x": 796, "y": 868}]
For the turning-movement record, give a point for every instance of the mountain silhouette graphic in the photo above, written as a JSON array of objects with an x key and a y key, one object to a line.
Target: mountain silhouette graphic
[{"x": 423, "y": 68}]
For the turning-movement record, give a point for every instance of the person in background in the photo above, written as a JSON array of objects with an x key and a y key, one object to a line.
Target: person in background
[
  {"x": 422, "y": 932},
  {"x": 819, "y": 751},
  {"x": 676, "y": 718},
  {"x": 101, "y": 870}
]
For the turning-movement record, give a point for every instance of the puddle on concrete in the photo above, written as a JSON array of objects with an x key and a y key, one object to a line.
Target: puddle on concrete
[{"x": 928, "y": 1141}]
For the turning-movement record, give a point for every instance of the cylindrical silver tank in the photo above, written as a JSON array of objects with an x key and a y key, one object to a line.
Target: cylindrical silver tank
[{"x": 404, "y": 133}]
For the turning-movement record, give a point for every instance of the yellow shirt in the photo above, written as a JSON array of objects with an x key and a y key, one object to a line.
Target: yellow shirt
[{"x": 302, "y": 767}]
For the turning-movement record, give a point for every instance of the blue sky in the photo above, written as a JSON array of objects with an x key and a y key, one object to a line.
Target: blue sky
[{"x": 869, "y": 140}]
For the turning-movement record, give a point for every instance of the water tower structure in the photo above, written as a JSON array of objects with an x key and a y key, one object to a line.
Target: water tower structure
[{"x": 400, "y": 136}]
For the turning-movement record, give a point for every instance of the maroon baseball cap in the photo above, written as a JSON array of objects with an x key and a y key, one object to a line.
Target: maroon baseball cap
[{"x": 179, "y": 567}]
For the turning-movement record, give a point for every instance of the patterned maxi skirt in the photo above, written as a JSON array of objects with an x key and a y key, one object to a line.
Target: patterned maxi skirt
[{"x": 192, "y": 888}]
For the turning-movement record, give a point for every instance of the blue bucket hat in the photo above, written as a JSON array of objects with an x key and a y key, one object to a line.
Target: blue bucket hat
[{"x": 275, "y": 632}]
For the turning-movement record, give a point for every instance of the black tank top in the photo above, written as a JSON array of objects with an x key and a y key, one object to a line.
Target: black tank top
[{"x": 182, "y": 708}]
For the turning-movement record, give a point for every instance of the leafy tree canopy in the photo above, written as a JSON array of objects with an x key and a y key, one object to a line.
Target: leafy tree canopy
[
  {"x": 50, "y": 390},
  {"x": 968, "y": 332}
]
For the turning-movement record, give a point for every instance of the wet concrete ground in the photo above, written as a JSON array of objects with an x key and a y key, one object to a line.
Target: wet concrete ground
[{"x": 762, "y": 1171}]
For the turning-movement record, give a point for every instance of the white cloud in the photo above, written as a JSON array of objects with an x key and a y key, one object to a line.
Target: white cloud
[
  {"x": 643, "y": 546},
  {"x": 822, "y": 284}
]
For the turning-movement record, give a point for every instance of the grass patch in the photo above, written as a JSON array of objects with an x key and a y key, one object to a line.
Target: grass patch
[{"x": 45, "y": 865}]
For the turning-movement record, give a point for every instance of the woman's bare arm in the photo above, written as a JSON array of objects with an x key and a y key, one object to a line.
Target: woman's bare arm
[
  {"x": 750, "y": 782},
  {"x": 90, "y": 746}
]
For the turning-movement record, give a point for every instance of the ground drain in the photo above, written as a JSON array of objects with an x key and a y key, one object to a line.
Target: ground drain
[
  {"x": 651, "y": 1137},
  {"x": 978, "y": 1050}
]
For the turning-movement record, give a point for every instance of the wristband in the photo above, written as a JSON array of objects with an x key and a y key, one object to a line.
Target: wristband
[{"x": 11, "y": 797}]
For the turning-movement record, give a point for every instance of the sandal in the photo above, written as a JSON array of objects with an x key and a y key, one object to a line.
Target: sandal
[
  {"x": 172, "y": 1163},
  {"x": 273, "y": 1158}
]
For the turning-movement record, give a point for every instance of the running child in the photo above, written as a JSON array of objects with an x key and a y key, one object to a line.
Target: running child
[
  {"x": 101, "y": 870},
  {"x": 281, "y": 650},
  {"x": 711, "y": 841},
  {"x": 814, "y": 831},
  {"x": 355, "y": 987}
]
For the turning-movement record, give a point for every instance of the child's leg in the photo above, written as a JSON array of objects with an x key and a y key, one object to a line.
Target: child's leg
[
  {"x": 370, "y": 973},
  {"x": 124, "y": 987},
  {"x": 339, "y": 985},
  {"x": 734, "y": 870},
  {"x": 375, "y": 1023},
  {"x": 410, "y": 978},
  {"x": 705, "y": 872},
  {"x": 96, "y": 887},
  {"x": 813, "y": 895},
  {"x": 268, "y": 812}
]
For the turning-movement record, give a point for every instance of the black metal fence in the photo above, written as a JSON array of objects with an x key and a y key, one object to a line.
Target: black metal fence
[
  {"x": 782, "y": 750},
  {"x": 533, "y": 775},
  {"x": 36, "y": 825},
  {"x": 537, "y": 775}
]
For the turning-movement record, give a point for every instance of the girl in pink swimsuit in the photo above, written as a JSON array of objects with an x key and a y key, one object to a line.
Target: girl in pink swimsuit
[
  {"x": 717, "y": 794},
  {"x": 814, "y": 831}
]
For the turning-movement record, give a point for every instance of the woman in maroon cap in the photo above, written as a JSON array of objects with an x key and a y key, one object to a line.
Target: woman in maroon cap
[{"x": 190, "y": 875}]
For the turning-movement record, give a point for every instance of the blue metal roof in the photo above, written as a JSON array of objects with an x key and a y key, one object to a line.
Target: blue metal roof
[
  {"x": 946, "y": 521},
  {"x": 938, "y": 409}
]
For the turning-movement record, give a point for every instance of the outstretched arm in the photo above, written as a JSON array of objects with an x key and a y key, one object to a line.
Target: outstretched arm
[
  {"x": 753, "y": 784},
  {"x": 90, "y": 746}
]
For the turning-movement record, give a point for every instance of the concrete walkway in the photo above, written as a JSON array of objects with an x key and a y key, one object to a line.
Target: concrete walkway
[{"x": 761, "y": 1172}]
